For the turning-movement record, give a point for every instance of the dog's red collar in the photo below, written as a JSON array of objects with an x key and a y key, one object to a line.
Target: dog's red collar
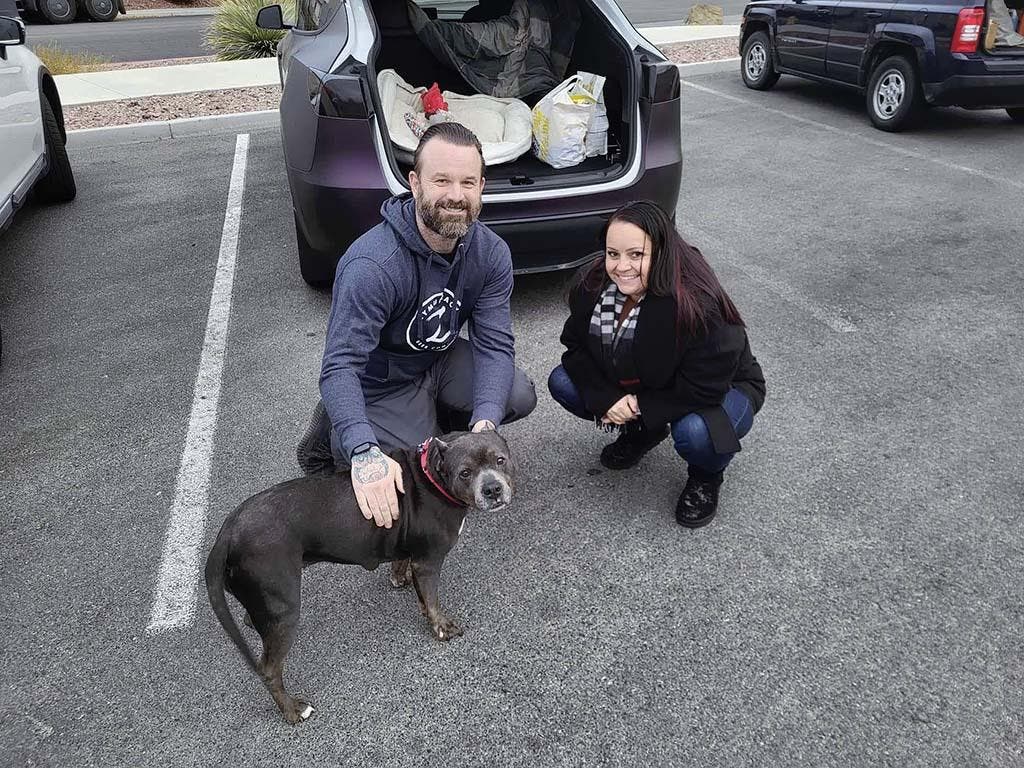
[{"x": 424, "y": 450}]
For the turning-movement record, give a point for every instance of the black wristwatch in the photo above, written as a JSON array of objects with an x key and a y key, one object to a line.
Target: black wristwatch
[{"x": 362, "y": 448}]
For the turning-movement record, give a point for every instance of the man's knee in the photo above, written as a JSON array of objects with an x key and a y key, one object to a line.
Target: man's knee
[{"x": 523, "y": 398}]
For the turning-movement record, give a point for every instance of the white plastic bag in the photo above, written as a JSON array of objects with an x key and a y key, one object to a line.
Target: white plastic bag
[
  {"x": 570, "y": 123},
  {"x": 597, "y": 129}
]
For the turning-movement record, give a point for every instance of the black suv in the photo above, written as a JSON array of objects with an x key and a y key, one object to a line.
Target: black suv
[{"x": 902, "y": 54}]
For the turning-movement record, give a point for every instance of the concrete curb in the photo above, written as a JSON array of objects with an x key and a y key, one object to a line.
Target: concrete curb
[
  {"x": 136, "y": 133},
  {"x": 709, "y": 67}
]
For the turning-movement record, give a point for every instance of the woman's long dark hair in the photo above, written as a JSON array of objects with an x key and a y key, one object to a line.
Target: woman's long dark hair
[{"x": 677, "y": 269}]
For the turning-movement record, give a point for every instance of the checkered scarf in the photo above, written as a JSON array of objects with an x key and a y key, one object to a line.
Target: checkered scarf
[
  {"x": 616, "y": 343},
  {"x": 602, "y": 322}
]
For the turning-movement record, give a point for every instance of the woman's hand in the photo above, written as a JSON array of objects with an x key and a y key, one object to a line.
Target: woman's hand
[{"x": 625, "y": 410}]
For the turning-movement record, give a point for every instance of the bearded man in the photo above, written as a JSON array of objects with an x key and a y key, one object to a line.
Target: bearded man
[{"x": 395, "y": 370}]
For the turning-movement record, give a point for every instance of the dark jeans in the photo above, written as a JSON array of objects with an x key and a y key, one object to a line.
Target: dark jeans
[{"x": 690, "y": 433}]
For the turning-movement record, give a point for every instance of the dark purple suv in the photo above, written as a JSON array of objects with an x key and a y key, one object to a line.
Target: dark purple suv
[
  {"x": 342, "y": 162},
  {"x": 903, "y": 55}
]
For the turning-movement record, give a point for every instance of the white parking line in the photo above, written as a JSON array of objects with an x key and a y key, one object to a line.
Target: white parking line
[
  {"x": 174, "y": 602},
  {"x": 860, "y": 137}
]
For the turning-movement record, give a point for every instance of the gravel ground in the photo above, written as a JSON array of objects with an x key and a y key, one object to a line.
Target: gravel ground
[
  {"x": 172, "y": 107},
  {"x": 702, "y": 50},
  {"x": 150, "y": 5},
  {"x": 159, "y": 63},
  {"x": 262, "y": 98}
]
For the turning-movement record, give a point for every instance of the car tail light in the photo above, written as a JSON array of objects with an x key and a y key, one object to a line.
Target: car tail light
[
  {"x": 339, "y": 95},
  {"x": 968, "y": 30},
  {"x": 660, "y": 81}
]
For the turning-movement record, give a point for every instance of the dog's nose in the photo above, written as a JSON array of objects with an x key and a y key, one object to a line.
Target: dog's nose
[{"x": 491, "y": 491}]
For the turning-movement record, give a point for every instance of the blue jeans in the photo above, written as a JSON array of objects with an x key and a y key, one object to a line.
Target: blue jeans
[{"x": 690, "y": 433}]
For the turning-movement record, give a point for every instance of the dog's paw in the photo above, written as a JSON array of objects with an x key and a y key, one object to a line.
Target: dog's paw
[
  {"x": 445, "y": 629},
  {"x": 299, "y": 711}
]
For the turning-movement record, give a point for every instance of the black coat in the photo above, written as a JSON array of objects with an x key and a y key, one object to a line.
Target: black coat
[{"x": 676, "y": 377}]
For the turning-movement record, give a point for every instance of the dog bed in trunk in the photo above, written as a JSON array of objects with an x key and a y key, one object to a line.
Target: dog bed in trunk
[{"x": 503, "y": 125}]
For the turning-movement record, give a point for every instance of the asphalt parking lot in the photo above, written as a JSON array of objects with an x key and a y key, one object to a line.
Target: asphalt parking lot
[{"x": 856, "y": 602}]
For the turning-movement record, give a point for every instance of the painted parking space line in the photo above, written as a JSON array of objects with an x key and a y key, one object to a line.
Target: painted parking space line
[
  {"x": 174, "y": 600},
  {"x": 923, "y": 156}
]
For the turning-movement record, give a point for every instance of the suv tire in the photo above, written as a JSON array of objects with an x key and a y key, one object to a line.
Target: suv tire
[
  {"x": 1016, "y": 114},
  {"x": 756, "y": 65},
  {"x": 58, "y": 185},
  {"x": 894, "y": 98},
  {"x": 313, "y": 264},
  {"x": 59, "y": 11}
]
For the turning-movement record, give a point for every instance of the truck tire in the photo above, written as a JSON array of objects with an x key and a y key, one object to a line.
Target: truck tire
[
  {"x": 756, "y": 65},
  {"x": 895, "y": 100},
  {"x": 58, "y": 11},
  {"x": 58, "y": 185},
  {"x": 100, "y": 10}
]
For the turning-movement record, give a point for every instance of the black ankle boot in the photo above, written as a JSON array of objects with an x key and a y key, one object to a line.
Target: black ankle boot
[
  {"x": 633, "y": 442},
  {"x": 698, "y": 502}
]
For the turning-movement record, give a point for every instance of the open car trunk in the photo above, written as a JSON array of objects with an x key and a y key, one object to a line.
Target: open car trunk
[
  {"x": 598, "y": 49},
  {"x": 1004, "y": 27}
]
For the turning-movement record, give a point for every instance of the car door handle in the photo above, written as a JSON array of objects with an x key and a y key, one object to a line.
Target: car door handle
[
  {"x": 873, "y": 15},
  {"x": 823, "y": 11}
]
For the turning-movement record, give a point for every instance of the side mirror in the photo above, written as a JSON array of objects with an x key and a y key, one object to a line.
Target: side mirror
[
  {"x": 12, "y": 31},
  {"x": 270, "y": 17}
]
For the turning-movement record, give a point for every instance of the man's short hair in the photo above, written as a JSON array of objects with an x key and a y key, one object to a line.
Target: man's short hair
[{"x": 452, "y": 133}]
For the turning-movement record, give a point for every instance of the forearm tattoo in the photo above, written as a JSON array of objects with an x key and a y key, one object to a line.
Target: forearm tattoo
[{"x": 369, "y": 467}]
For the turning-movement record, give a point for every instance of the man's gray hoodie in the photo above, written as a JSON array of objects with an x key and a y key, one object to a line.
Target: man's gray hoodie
[{"x": 397, "y": 306}]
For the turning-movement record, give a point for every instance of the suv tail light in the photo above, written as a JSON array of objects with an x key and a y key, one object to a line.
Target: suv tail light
[
  {"x": 339, "y": 95},
  {"x": 968, "y": 30}
]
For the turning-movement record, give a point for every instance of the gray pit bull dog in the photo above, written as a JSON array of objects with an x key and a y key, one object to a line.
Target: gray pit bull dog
[{"x": 265, "y": 542}]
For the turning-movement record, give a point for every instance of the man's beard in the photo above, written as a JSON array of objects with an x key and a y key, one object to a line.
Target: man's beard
[{"x": 444, "y": 224}]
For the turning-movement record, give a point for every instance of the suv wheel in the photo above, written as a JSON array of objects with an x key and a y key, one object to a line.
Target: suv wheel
[
  {"x": 756, "y": 63},
  {"x": 1016, "y": 114},
  {"x": 895, "y": 100},
  {"x": 58, "y": 185},
  {"x": 58, "y": 11},
  {"x": 315, "y": 266},
  {"x": 100, "y": 10}
]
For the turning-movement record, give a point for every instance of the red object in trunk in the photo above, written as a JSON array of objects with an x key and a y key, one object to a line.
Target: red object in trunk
[{"x": 433, "y": 101}]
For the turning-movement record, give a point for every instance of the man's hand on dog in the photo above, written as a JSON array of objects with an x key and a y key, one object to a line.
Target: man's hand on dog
[
  {"x": 377, "y": 481},
  {"x": 625, "y": 410}
]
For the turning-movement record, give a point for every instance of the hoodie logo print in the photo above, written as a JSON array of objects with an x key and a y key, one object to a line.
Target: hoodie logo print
[{"x": 434, "y": 326}]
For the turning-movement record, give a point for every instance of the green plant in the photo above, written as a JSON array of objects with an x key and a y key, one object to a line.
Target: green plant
[
  {"x": 61, "y": 62},
  {"x": 234, "y": 35}
]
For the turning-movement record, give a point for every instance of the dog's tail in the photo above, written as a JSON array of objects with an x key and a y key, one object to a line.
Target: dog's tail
[{"x": 215, "y": 569}]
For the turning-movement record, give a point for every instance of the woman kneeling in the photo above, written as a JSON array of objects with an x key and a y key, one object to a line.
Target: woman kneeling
[{"x": 653, "y": 342}]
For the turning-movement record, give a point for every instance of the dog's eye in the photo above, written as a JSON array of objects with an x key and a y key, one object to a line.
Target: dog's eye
[
  {"x": 464, "y": 474},
  {"x": 501, "y": 460}
]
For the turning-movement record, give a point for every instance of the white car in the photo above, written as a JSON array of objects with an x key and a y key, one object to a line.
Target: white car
[{"x": 32, "y": 154}]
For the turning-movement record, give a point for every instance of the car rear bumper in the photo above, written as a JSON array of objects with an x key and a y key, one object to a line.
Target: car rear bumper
[
  {"x": 543, "y": 234},
  {"x": 991, "y": 83}
]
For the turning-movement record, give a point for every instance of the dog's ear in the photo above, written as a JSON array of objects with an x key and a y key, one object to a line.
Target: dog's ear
[{"x": 440, "y": 448}]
